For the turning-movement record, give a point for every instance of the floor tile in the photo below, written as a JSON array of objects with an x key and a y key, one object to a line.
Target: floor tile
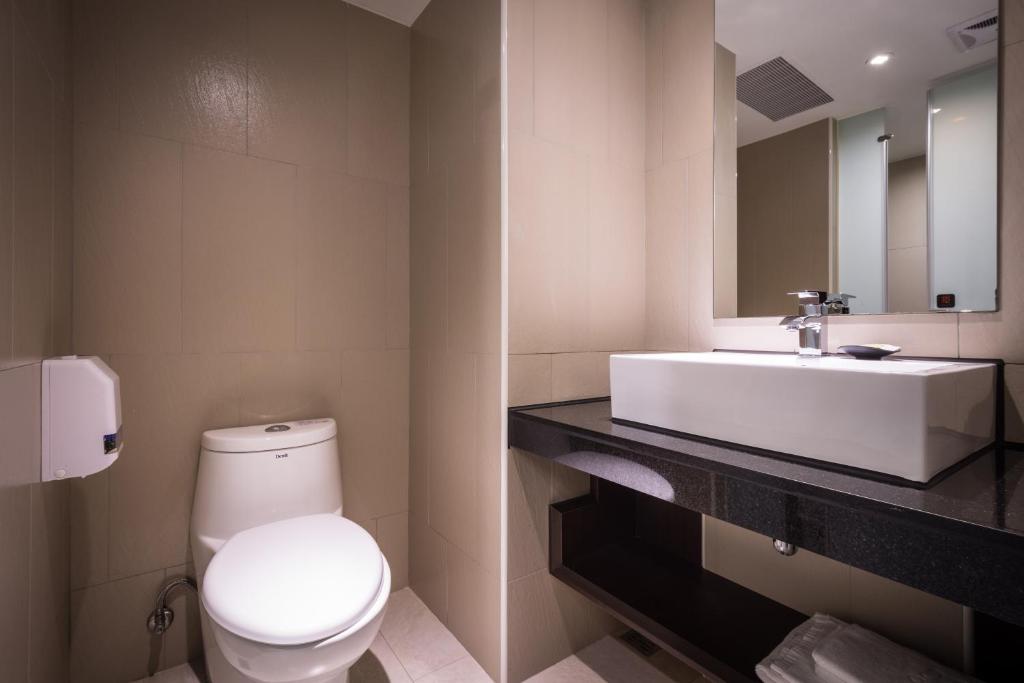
[
  {"x": 183, "y": 673},
  {"x": 421, "y": 642},
  {"x": 609, "y": 660},
  {"x": 465, "y": 670},
  {"x": 379, "y": 665}
]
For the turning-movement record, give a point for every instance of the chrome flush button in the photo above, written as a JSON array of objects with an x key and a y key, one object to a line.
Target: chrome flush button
[{"x": 277, "y": 428}]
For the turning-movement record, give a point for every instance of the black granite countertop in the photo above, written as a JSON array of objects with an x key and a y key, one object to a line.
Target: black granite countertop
[{"x": 962, "y": 538}]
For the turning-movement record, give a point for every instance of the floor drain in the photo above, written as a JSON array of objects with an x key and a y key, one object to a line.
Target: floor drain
[{"x": 639, "y": 643}]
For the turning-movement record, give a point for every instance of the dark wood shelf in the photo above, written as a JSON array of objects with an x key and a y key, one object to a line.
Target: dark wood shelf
[{"x": 640, "y": 567}]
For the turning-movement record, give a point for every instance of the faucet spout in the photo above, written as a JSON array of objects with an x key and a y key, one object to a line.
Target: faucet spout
[{"x": 809, "y": 323}]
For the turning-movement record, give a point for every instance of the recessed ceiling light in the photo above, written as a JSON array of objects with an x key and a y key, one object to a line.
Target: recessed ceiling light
[{"x": 880, "y": 59}]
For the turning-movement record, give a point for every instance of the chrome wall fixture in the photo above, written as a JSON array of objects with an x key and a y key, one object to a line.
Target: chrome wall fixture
[
  {"x": 783, "y": 548},
  {"x": 161, "y": 618}
]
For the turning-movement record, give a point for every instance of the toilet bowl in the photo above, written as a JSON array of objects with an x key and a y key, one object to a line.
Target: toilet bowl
[{"x": 291, "y": 591}]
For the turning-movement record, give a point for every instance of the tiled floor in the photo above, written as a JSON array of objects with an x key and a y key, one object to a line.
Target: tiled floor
[
  {"x": 414, "y": 645},
  {"x": 609, "y": 660}
]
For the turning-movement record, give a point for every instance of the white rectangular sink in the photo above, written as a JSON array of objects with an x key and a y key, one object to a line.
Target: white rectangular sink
[{"x": 905, "y": 418}]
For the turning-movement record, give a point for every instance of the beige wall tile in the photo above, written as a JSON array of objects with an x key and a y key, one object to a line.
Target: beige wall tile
[
  {"x": 298, "y": 82},
  {"x": 96, "y": 24},
  {"x": 1011, "y": 21},
  {"x": 168, "y": 401},
  {"x": 89, "y": 512},
  {"x": 428, "y": 270},
  {"x": 926, "y": 334},
  {"x": 48, "y": 584},
  {"x": 63, "y": 234},
  {"x": 529, "y": 492},
  {"x": 378, "y": 97},
  {"x": 548, "y": 298},
  {"x": 626, "y": 54},
  {"x": 393, "y": 539},
  {"x": 666, "y": 284},
  {"x": 454, "y": 500},
  {"x": 688, "y": 45},
  {"x": 700, "y": 247},
  {"x": 740, "y": 334},
  {"x": 398, "y": 268},
  {"x": 452, "y": 56},
  {"x": 427, "y": 566},
  {"x": 109, "y": 640},
  {"x": 1015, "y": 403},
  {"x": 567, "y": 483},
  {"x": 454, "y": 297},
  {"x": 15, "y": 570},
  {"x": 654, "y": 82},
  {"x": 491, "y": 449},
  {"x": 924, "y": 622},
  {"x": 474, "y": 615},
  {"x": 529, "y": 379},
  {"x": 290, "y": 385},
  {"x": 374, "y": 432},
  {"x": 571, "y": 75},
  {"x": 548, "y": 621},
  {"x": 579, "y": 375},
  {"x": 520, "y": 65},
  {"x": 238, "y": 250},
  {"x": 474, "y": 249},
  {"x": 182, "y": 71},
  {"x": 616, "y": 258},
  {"x": 805, "y": 581},
  {"x": 128, "y": 232},
  {"x": 341, "y": 276},
  {"x": 421, "y": 409},
  {"x": 33, "y": 202},
  {"x": 20, "y": 423},
  {"x": 6, "y": 178}
]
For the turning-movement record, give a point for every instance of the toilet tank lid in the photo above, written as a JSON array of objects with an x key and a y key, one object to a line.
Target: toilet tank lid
[{"x": 270, "y": 437}]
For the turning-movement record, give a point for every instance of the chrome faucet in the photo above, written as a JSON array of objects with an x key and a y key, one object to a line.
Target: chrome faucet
[{"x": 809, "y": 322}]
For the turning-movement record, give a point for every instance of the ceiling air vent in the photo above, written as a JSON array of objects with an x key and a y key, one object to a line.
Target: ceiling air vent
[
  {"x": 778, "y": 90},
  {"x": 980, "y": 30}
]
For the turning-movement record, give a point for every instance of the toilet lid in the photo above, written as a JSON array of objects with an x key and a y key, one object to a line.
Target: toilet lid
[{"x": 294, "y": 581}]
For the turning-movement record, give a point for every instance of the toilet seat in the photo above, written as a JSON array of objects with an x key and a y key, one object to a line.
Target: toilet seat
[{"x": 295, "y": 581}]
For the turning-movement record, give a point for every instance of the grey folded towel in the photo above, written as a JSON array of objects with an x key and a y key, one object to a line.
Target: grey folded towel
[{"x": 856, "y": 655}]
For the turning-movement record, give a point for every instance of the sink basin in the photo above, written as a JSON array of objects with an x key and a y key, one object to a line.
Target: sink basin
[{"x": 904, "y": 418}]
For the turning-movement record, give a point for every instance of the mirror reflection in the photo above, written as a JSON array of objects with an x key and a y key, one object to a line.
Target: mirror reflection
[{"x": 856, "y": 153}]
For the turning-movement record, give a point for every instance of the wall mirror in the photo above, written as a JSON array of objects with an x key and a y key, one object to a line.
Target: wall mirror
[{"x": 856, "y": 149}]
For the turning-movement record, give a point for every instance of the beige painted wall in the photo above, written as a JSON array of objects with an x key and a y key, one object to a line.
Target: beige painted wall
[
  {"x": 577, "y": 204},
  {"x": 908, "y": 235},
  {"x": 783, "y": 218},
  {"x": 241, "y": 256},
  {"x": 456, "y": 407},
  {"x": 35, "y": 322}
]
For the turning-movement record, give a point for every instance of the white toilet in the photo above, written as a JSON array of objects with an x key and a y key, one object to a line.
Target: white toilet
[{"x": 290, "y": 590}]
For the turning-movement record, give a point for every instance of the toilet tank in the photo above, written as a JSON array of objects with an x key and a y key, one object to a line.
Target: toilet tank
[{"x": 249, "y": 476}]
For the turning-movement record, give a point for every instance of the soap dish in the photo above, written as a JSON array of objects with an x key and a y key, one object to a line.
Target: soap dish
[{"x": 869, "y": 351}]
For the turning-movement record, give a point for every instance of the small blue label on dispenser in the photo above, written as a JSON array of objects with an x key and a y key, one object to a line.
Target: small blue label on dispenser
[{"x": 111, "y": 442}]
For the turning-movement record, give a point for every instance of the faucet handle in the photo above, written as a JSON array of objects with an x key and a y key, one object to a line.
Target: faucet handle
[
  {"x": 838, "y": 302},
  {"x": 809, "y": 296}
]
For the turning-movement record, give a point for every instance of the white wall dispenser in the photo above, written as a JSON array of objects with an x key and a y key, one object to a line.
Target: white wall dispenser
[{"x": 81, "y": 417}]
